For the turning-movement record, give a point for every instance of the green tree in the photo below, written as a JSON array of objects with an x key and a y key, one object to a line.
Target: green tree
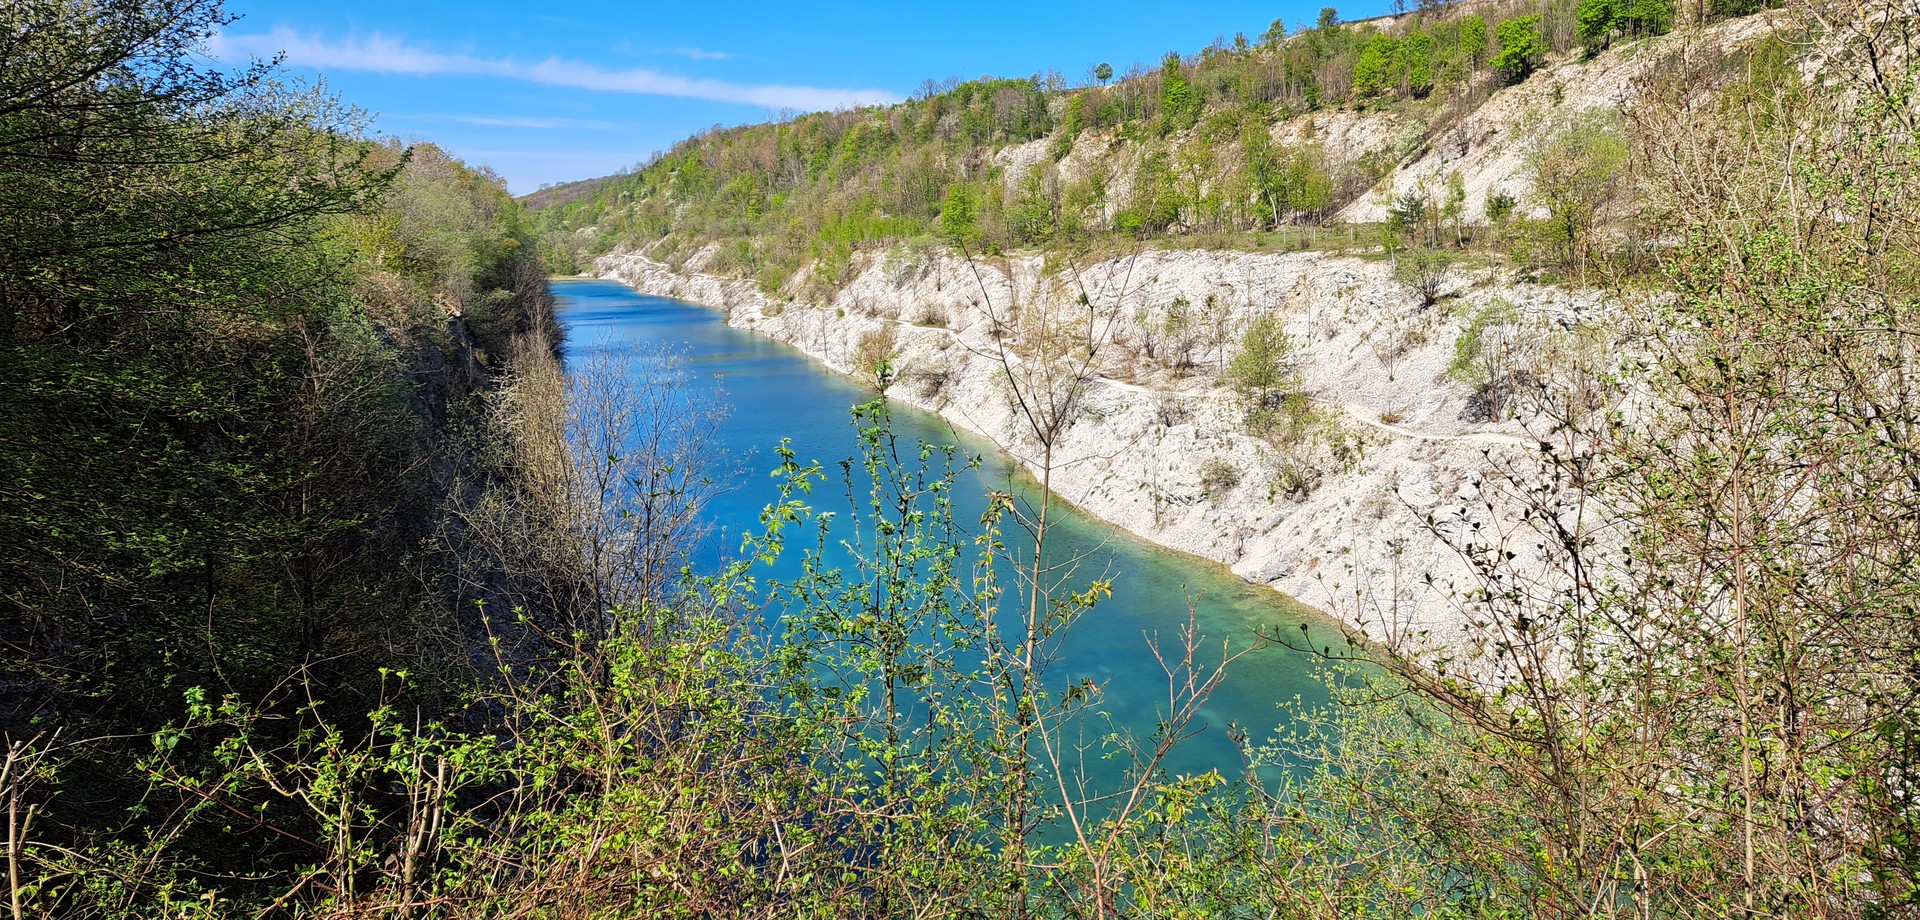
[
  {"x": 959, "y": 222},
  {"x": 1179, "y": 101},
  {"x": 1035, "y": 212},
  {"x": 1378, "y": 67},
  {"x": 1473, "y": 42},
  {"x": 1266, "y": 368},
  {"x": 1419, "y": 51},
  {"x": 1156, "y": 199},
  {"x": 1575, "y": 172},
  {"x": 1103, "y": 72},
  {"x": 1266, "y": 174},
  {"x": 1727, "y": 9},
  {"x": 233, "y": 329},
  {"x": 1412, "y": 212},
  {"x": 1071, "y": 124},
  {"x": 1424, "y": 272},
  {"x": 1522, "y": 47},
  {"x": 1642, "y": 18},
  {"x": 1597, "y": 20}
]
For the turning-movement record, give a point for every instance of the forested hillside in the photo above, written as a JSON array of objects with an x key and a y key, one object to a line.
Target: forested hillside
[
  {"x": 1209, "y": 148},
  {"x": 245, "y": 353}
]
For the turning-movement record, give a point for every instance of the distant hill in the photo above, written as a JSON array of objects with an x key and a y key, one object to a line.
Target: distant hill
[
  {"x": 1299, "y": 127},
  {"x": 563, "y": 193}
]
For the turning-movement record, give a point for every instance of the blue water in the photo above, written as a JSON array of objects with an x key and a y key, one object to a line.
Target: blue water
[{"x": 778, "y": 392}]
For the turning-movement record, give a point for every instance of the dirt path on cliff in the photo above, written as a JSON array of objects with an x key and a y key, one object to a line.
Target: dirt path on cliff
[{"x": 1367, "y": 416}]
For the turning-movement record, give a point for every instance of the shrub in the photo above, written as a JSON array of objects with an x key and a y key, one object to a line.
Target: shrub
[
  {"x": 1267, "y": 366},
  {"x": 1500, "y": 206},
  {"x": 930, "y": 379},
  {"x": 875, "y": 354},
  {"x": 1295, "y": 479},
  {"x": 1218, "y": 477},
  {"x": 1575, "y": 173},
  {"x": 1484, "y": 358},
  {"x": 929, "y": 314},
  {"x": 1424, "y": 272}
]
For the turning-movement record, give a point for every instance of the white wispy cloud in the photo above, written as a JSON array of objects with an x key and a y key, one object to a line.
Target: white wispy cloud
[
  {"x": 628, "y": 46},
  {"x": 531, "y": 124},
  {"x": 377, "y": 53}
]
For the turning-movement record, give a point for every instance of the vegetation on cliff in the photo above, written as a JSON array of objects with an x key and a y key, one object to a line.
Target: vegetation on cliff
[{"x": 1197, "y": 148}]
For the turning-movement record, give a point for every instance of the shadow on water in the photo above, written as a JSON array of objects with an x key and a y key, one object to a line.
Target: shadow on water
[{"x": 775, "y": 392}]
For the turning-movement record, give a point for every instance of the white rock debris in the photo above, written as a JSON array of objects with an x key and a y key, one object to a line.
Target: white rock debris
[{"x": 1359, "y": 546}]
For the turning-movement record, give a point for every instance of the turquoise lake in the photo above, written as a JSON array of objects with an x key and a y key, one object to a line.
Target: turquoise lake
[{"x": 775, "y": 392}]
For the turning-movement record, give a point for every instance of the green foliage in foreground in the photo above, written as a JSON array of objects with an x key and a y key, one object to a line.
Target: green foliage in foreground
[
  {"x": 873, "y": 759},
  {"x": 234, "y": 342}
]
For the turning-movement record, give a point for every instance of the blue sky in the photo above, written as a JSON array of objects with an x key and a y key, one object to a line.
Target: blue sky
[{"x": 548, "y": 91}]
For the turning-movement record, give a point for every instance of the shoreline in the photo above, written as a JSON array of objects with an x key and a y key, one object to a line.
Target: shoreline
[{"x": 1356, "y": 551}]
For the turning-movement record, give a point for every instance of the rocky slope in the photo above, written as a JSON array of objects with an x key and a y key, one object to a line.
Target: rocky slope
[
  {"x": 1378, "y": 483},
  {"x": 1164, "y": 452},
  {"x": 1488, "y": 146}
]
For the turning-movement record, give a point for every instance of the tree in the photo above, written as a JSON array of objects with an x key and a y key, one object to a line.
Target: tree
[
  {"x": 1411, "y": 212},
  {"x": 959, "y": 223},
  {"x": 1035, "y": 212},
  {"x": 1156, "y": 201},
  {"x": 1718, "y": 577},
  {"x": 1418, "y": 53},
  {"x": 1500, "y": 206},
  {"x": 1473, "y": 42},
  {"x": 1575, "y": 172},
  {"x": 1424, "y": 272},
  {"x": 1180, "y": 103},
  {"x": 1596, "y": 21},
  {"x": 1378, "y": 67},
  {"x": 1647, "y": 17},
  {"x": 1288, "y": 180},
  {"x": 1103, "y": 72},
  {"x": 1454, "y": 209},
  {"x": 1728, "y": 9},
  {"x": 234, "y": 331},
  {"x": 1266, "y": 368},
  {"x": 1522, "y": 47}
]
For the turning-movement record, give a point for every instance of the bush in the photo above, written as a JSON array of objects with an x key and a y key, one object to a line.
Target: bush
[
  {"x": 1295, "y": 479},
  {"x": 931, "y": 314},
  {"x": 1575, "y": 173},
  {"x": 874, "y": 355},
  {"x": 1218, "y": 477},
  {"x": 1501, "y": 206},
  {"x": 1424, "y": 272}
]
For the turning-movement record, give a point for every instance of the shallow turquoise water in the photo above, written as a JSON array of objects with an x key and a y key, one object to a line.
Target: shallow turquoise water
[{"x": 777, "y": 392}]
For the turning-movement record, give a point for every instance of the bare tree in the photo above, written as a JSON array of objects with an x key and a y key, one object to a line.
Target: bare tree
[{"x": 615, "y": 463}]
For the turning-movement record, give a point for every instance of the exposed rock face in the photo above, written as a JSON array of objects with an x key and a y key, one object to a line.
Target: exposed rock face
[
  {"x": 1488, "y": 147},
  {"x": 1352, "y": 518}
]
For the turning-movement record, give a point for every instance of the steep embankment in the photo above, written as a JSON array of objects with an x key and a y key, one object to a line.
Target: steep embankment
[
  {"x": 1379, "y": 472},
  {"x": 1486, "y": 150},
  {"x": 1366, "y": 467}
]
